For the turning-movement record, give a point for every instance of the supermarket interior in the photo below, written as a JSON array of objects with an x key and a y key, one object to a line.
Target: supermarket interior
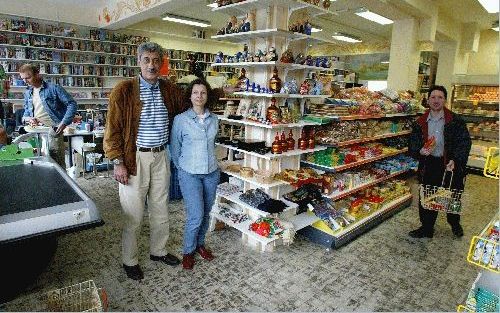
[{"x": 355, "y": 145}]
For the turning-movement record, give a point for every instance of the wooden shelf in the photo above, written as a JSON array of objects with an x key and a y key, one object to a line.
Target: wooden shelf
[
  {"x": 65, "y": 50},
  {"x": 270, "y": 126},
  {"x": 345, "y": 193},
  {"x": 354, "y": 164},
  {"x": 72, "y": 63},
  {"x": 367, "y": 139},
  {"x": 270, "y": 156},
  {"x": 67, "y": 37}
]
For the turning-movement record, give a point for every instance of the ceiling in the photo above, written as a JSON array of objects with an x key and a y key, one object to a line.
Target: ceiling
[{"x": 465, "y": 11}]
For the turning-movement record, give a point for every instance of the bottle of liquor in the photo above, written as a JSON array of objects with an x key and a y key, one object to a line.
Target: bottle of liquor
[
  {"x": 273, "y": 113},
  {"x": 276, "y": 147},
  {"x": 284, "y": 143},
  {"x": 275, "y": 82},
  {"x": 303, "y": 144},
  {"x": 290, "y": 141},
  {"x": 311, "y": 141}
]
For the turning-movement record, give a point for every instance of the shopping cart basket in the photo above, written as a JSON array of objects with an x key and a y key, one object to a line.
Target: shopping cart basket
[
  {"x": 82, "y": 297},
  {"x": 443, "y": 199},
  {"x": 491, "y": 168}
]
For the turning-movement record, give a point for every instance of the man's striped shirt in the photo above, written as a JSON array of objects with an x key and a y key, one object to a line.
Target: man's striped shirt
[{"x": 153, "y": 122}]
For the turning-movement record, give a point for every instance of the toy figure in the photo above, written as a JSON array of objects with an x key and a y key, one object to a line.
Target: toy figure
[
  {"x": 271, "y": 55},
  {"x": 304, "y": 88},
  {"x": 219, "y": 57},
  {"x": 287, "y": 57},
  {"x": 309, "y": 60},
  {"x": 300, "y": 59},
  {"x": 307, "y": 28},
  {"x": 326, "y": 4}
]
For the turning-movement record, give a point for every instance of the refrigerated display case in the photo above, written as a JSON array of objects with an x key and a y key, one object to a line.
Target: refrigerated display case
[{"x": 478, "y": 106}]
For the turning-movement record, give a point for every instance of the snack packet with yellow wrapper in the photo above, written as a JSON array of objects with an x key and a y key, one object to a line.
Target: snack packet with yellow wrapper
[{"x": 430, "y": 144}]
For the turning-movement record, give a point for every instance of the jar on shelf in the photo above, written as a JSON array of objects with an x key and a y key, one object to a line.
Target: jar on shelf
[
  {"x": 275, "y": 82},
  {"x": 303, "y": 143},
  {"x": 290, "y": 141},
  {"x": 276, "y": 146},
  {"x": 284, "y": 142}
]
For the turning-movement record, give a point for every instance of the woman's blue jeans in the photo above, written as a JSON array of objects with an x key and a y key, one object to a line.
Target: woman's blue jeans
[{"x": 198, "y": 192}]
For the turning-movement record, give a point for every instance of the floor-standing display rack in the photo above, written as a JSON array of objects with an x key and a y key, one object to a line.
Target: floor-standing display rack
[
  {"x": 484, "y": 252},
  {"x": 272, "y": 19}
]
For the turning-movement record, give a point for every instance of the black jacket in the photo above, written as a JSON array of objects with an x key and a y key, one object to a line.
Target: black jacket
[{"x": 457, "y": 142}]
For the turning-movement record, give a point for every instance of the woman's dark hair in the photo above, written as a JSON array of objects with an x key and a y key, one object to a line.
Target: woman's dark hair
[
  {"x": 437, "y": 87},
  {"x": 210, "y": 94}
]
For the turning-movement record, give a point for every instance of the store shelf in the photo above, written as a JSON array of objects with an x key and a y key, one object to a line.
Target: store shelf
[
  {"x": 241, "y": 8},
  {"x": 278, "y": 95},
  {"x": 478, "y": 101},
  {"x": 66, "y": 37},
  {"x": 367, "y": 139},
  {"x": 67, "y": 87},
  {"x": 354, "y": 164},
  {"x": 244, "y": 228},
  {"x": 70, "y": 63},
  {"x": 65, "y": 50},
  {"x": 270, "y": 156},
  {"x": 363, "y": 117},
  {"x": 234, "y": 198},
  {"x": 256, "y": 183},
  {"x": 270, "y": 126},
  {"x": 289, "y": 66},
  {"x": 264, "y": 33},
  {"x": 73, "y": 75},
  {"x": 345, "y": 193}
]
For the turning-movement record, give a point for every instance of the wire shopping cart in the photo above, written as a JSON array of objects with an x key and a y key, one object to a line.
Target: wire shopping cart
[
  {"x": 82, "y": 297},
  {"x": 441, "y": 198}
]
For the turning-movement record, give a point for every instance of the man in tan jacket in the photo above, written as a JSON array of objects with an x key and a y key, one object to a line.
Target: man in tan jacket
[{"x": 140, "y": 116}]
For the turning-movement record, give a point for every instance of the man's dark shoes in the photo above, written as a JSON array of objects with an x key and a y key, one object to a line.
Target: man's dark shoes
[
  {"x": 167, "y": 259},
  {"x": 134, "y": 272},
  {"x": 458, "y": 231},
  {"x": 421, "y": 233},
  {"x": 205, "y": 253}
]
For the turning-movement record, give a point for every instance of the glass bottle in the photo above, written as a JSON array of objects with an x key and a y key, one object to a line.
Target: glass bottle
[
  {"x": 290, "y": 141},
  {"x": 273, "y": 113},
  {"x": 303, "y": 144},
  {"x": 284, "y": 142},
  {"x": 275, "y": 82},
  {"x": 311, "y": 140},
  {"x": 276, "y": 146}
]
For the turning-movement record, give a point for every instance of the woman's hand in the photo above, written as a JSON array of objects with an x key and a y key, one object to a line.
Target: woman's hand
[
  {"x": 425, "y": 151},
  {"x": 450, "y": 166}
]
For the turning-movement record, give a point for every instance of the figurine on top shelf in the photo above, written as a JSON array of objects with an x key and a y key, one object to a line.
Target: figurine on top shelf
[{"x": 233, "y": 26}]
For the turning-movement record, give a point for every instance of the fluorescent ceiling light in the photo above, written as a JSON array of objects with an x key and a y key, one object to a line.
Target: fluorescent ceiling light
[
  {"x": 316, "y": 29},
  {"x": 491, "y": 6},
  {"x": 185, "y": 20},
  {"x": 213, "y": 5},
  {"x": 345, "y": 37},
  {"x": 374, "y": 17},
  {"x": 495, "y": 28},
  {"x": 385, "y": 62}
]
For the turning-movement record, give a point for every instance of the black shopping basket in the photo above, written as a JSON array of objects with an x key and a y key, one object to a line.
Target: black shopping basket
[{"x": 441, "y": 198}]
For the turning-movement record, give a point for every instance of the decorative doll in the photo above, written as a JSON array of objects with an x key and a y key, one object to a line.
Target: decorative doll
[{"x": 287, "y": 57}]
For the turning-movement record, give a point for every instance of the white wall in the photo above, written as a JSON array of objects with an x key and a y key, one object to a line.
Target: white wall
[{"x": 485, "y": 60}]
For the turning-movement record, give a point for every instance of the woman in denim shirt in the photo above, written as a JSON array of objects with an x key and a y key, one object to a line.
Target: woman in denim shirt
[{"x": 192, "y": 147}]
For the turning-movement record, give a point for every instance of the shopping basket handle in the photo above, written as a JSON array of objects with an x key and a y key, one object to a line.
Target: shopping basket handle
[{"x": 444, "y": 176}]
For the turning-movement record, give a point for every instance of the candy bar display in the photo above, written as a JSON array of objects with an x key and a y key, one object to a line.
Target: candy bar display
[
  {"x": 300, "y": 177},
  {"x": 485, "y": 249},
  {"x": 270, "y": 227}
]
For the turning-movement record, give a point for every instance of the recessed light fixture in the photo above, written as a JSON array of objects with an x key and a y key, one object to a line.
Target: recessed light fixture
[
  {"x": 374, "y": 17},
  {"x": 316, "y": 29},
  {"x": 345, "y": 37},
  {"x": 491, "y": 6},
  {"x": 385, "y": 62},
  {"x": 185, "y": 20},
  {"x": 213, "y": 5}
]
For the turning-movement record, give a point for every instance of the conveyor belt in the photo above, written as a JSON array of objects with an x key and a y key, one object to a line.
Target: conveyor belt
[{"x": 26, "y": 187}]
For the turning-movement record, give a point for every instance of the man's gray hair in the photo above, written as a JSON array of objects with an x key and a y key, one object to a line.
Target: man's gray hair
[{"x": 150, "y": 47}]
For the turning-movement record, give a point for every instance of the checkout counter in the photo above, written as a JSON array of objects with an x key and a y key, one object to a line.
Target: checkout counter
[{"x": 38, "y": 202}]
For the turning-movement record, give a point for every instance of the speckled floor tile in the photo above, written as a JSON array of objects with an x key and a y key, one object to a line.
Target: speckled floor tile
[{"x": 382, "y": 270}]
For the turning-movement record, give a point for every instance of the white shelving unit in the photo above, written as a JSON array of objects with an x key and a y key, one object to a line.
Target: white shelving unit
[{"x": 272, "y": 19}]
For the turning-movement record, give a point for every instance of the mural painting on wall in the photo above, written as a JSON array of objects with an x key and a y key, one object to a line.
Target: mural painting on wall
[
  {"x": 123, "y": 7},
  {"x": 369, "y": 66}
]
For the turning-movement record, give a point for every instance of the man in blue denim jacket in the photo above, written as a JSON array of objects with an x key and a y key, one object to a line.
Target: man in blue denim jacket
[{"x": 49, "y": 105}]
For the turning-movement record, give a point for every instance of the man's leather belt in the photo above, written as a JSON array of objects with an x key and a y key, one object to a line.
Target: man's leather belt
[{"x": 154, "y": 149}]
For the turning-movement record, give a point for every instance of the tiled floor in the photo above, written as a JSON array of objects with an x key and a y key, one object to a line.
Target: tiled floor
[{"x": 383, "y": 270}]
